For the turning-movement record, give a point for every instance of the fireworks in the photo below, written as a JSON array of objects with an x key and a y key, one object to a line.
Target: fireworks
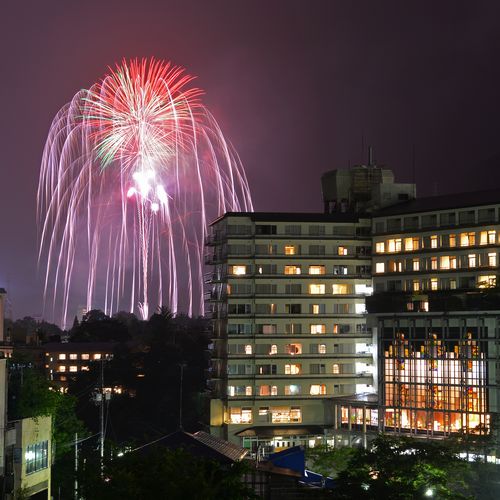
[{"x": 132, "y": 170}]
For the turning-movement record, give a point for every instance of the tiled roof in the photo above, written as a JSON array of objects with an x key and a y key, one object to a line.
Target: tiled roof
[{"x": 230, "y": 450}]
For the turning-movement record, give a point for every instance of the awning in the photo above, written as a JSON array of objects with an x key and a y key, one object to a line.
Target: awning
[{"x": 273, "y": 431}]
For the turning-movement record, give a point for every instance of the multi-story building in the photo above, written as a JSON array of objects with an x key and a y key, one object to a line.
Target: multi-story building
[
  {"x": 436, "y": 313},
  {"x": 288, "y": 303},
  {"x": 65, "y": 360}
]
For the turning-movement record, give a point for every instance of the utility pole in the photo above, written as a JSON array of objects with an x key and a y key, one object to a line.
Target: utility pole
[
  {"x": 182, "y": 365},
  {"x": 76, "y": 465},
  {"x": 101, "y": 417}
]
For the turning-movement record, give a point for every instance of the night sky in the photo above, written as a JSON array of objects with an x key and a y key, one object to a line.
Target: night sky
[{"x": 297, "y": 87}]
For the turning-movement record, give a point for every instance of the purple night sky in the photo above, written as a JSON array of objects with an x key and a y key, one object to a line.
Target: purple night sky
[{"x": 295, "y": 85}]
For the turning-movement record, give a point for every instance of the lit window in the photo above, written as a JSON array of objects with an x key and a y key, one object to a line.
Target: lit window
[
  {"x": 486, "y": 281},
  {"x": 472, "y": 260},
  {"x": 453, "y": 284},
  {"x": 286, "y": 415},
  {"x": 359, "y": 308},
  {"x": 315, "y": 308},
  {"x": 264, "y": 390},
  {"x": 96, "y": 356},
  {"x": 434, "y": 284},
  {"x": 290, "y": 250},
  {"x": 316, "y": 289},
  {"x": 380, "y": 247},
  {"x": 36, "y": 457},
  {"x": 317, "y": 390},
  {"x": 292, "y": 270},
  {"x": 274, "y": 390},
  {"x": 62, "y": 356},
  {"x": 294, "y": 349},
  {"x": 434, "y": 263},
  {"x": 238, "y": 270},
  {"x": 453, "y": 240},
  {"x": 416, "y": 264},
  {"x": 342, "y": 250},
  {"x": 408, "y": 244},
  {"x": 416, "y": 285},
  {"x": 273, "y": 349},
  {"x": 248, "y": 349},
  {"x": 394, "y": 245},
  {"x": 487, "y": 237},
  {"x": 293, "y": 369},
  {"x": 444, "y": 262},
  {"x": 248, "y": 390},
  {"x": 316, "y": 269},
  {"x": 240, "y": 415},
  {"x": 336, "y": 369},
  {"x": 317, "y": 329},
  {"x": 61, "y": 368},
  {"x": 467, "y": 239},
  {"x": 395, "y": 266},
  {"x": 86, "y": 356},
  {"x": 73, "y": 356},
  {"x": 341, "y": 289},
  {"x": 434, "y": 241},
  {"x": 492, "y": 259},
  {"x": 292, "y": 390},
  {"x": 322, "y": 349},
  {"x": 379, "y": 267},
  {"x": 73, "y": 368},
  {"x": 85, "y": 368}
]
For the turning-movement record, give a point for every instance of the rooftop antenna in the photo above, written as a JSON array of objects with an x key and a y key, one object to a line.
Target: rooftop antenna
[
  {"x": 362, "y": 143},
  {"x": 370, "y": 156}
]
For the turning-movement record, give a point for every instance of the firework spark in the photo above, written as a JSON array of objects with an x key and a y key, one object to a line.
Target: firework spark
[{"x": 132, "y": 169}]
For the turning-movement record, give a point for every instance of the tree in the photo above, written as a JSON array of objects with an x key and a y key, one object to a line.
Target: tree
[
  {"x": 329, "y": 461},
  {"x": 163, "y": 473},
  {"x": 98, "y": 327},
  {"x": 396, "y": 467},
  {"x": 31, "y": 395},
  {"x": 147, "y": 368}
]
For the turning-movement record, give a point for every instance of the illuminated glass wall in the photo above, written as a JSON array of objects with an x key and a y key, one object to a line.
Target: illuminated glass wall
[{"x": 434, "y": 376}]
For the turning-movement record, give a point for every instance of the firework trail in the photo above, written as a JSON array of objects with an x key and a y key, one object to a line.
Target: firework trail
[{"x": 132, "y": 170}]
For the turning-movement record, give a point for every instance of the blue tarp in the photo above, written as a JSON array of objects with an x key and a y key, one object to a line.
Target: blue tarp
[{"x": 294, "y": 458}]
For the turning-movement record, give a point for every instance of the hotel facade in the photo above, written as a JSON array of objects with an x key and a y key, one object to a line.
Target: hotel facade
[
  {"x": 436, "y": 314},
  {"x": 288, "y": 305},
  {"x": 380, "y": 315}
]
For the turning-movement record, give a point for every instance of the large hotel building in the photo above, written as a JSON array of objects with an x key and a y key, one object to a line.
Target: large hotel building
[
  {"x": 436, "y": 313},
  {"x": 288, "y": 301},
  {"x": 381, "y": 314}
]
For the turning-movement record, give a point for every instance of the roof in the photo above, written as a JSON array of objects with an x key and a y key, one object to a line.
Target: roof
[
  {"x": 295, "y": 217},
  {"x": 443, "y": 202},
  {"x": 368, "y": 398},
  {"x": 223, "y": 447},
  {"x": 288, "y": 430},
  {"x": 202, "y": 445},
  {"x": 79, "y": 346}
]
